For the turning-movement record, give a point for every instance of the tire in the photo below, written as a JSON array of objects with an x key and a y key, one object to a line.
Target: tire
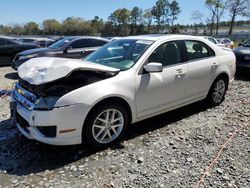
[
  {"x": 217, "y": 91},
  {"x": 99, "y": 132}
]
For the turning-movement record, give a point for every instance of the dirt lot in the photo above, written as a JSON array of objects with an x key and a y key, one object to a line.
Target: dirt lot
[{"x": 171, "y": 150}]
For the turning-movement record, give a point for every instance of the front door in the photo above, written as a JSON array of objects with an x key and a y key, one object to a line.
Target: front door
[{"x": 159, "y": 92}]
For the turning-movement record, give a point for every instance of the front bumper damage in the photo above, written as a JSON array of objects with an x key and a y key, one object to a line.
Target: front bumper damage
[{"x": 59, "y": 126}]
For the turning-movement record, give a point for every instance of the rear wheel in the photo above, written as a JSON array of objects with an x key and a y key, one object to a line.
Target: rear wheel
[
  {"x": 105, "y": 125},
  {"x": 217, "y": 92}
]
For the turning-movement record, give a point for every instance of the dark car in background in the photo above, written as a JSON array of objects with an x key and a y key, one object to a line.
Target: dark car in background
[
  {"x": 69, "y": 47},
  {"x": 40, "y": 41},
  {"x": 242, "y": 54},
  {"x": 9, "y": 47}
]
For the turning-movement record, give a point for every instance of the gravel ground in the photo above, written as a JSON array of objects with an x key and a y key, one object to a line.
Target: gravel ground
[{"x": 170, "y": 150}]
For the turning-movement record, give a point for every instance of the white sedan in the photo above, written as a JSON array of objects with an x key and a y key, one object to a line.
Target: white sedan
[{"x": 62, "y": 102}]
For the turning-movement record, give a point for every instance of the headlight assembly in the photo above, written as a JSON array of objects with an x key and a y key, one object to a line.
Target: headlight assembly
[{"x": 27, "y": 56}]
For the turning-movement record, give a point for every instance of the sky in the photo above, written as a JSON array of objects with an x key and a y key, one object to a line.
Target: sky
[{"x": 23, "y": 11}]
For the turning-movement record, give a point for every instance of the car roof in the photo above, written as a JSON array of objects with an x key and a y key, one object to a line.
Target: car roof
[
  {"x": 85, "y": 37},
  {"x": 36, "y": 38},
  {"x": 158, "y": 37},
  {"x": 7, "y": 37}
]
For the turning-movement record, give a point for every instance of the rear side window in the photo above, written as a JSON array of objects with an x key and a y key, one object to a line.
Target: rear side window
[
  {"x": 166, "y": 54},
  {"x": 81, "y": 43},
  {"x": 95, "y": 42},
  {"x": 198, "y": 50}
]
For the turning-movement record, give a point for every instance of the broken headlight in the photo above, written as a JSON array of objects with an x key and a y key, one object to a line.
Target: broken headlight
[{"x": 46, "y": 103}]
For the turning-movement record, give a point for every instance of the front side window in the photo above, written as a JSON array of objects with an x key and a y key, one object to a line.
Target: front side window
[
  {"x": 198, "y": 50},
  {"x": 121, "y": 53},
  {"x": 61, "y": 43},
  {"x": 167, "y": 54}
]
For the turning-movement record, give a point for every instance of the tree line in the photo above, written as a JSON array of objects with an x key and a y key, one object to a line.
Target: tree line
[
  {"x": 160, "y": 18},
  {"x": 218, "y": 8}
]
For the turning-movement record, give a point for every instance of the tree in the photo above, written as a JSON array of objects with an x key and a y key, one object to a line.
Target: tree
[
  {"x": 160, "y": 13},
  {"x": 217, "y": 8},
  {"x": 17, "y": 29},
  {"x": 197, "y": 16},
  {"x": 135, "y": 17},
  {"x": 148, "y": 17},
  {"x": 174, "y": 11},
  {"x": 120, "y": 19},
  {"x": 31, "y": 28},
  {"x": 96, "y": 26},
  {"x": 237, "y": 8},
  {"x": 51, "y": 27}
]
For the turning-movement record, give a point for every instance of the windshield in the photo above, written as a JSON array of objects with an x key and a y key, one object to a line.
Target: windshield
[
  {"x": 246, "y": 44},
  {"x": 121, "y": 54},
  {"x": 61, "y": 43}
]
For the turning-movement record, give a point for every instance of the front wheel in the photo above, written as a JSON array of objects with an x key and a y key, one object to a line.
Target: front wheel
[
  {"x": 217, "y": 92},
  {"x": 105, "y": 125}
]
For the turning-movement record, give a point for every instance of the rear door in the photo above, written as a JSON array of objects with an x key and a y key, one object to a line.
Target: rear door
[
  {"x": 202, "y": 66},
  {"x": 76, "y": 49}
]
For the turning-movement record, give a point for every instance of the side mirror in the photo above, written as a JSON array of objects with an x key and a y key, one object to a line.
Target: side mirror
[
  {"x": 153, "y": 67},
  {"x": 240, "y": 44}
]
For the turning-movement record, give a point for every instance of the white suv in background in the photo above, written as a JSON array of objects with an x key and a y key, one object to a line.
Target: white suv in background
[
  {"x": 64, "y": 101},
  {"x": 227, "y": 42}
]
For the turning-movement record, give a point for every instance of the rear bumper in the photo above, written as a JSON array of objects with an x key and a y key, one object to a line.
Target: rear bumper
[{"x": 68, "y": 121}]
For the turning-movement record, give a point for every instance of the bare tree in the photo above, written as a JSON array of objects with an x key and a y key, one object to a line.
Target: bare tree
[
  {"x": 217, "y": 8},
  {"x": 197, "y": 16},
  {"x": 237, "y": 8}
]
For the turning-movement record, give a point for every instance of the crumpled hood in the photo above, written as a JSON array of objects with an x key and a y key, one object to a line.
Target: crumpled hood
[{"x": 46, "y": 69}]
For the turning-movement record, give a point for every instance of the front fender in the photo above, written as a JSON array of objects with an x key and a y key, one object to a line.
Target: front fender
[{"x": 121, "y": 86}]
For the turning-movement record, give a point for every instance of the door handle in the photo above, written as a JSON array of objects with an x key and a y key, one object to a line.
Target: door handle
[
  {"x": 214, "y": 66},
  {"x": 180, "y": 73}
]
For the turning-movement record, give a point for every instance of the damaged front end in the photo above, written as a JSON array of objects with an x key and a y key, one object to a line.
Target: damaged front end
[{"x": 44, "y": 96}]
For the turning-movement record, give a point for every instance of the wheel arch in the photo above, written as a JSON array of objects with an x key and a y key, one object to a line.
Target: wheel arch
[
  {"x": 113, "y": 99},
  {"x": 221, "y": 75}
]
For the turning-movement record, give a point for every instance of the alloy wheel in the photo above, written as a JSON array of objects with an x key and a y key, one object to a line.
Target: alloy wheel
[
  {"x": 219, "y": 91},
  {"x": 107, "y": 126}
]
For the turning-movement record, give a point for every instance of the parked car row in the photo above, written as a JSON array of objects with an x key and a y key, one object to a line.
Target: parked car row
[
  {"x": 17, "y": 51},
  {"x": 41, "y": 42},
  {"x": 69, "y": 47},
  {"x": 242, "y": 53},
  {"x": 9, "y": 47}
]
